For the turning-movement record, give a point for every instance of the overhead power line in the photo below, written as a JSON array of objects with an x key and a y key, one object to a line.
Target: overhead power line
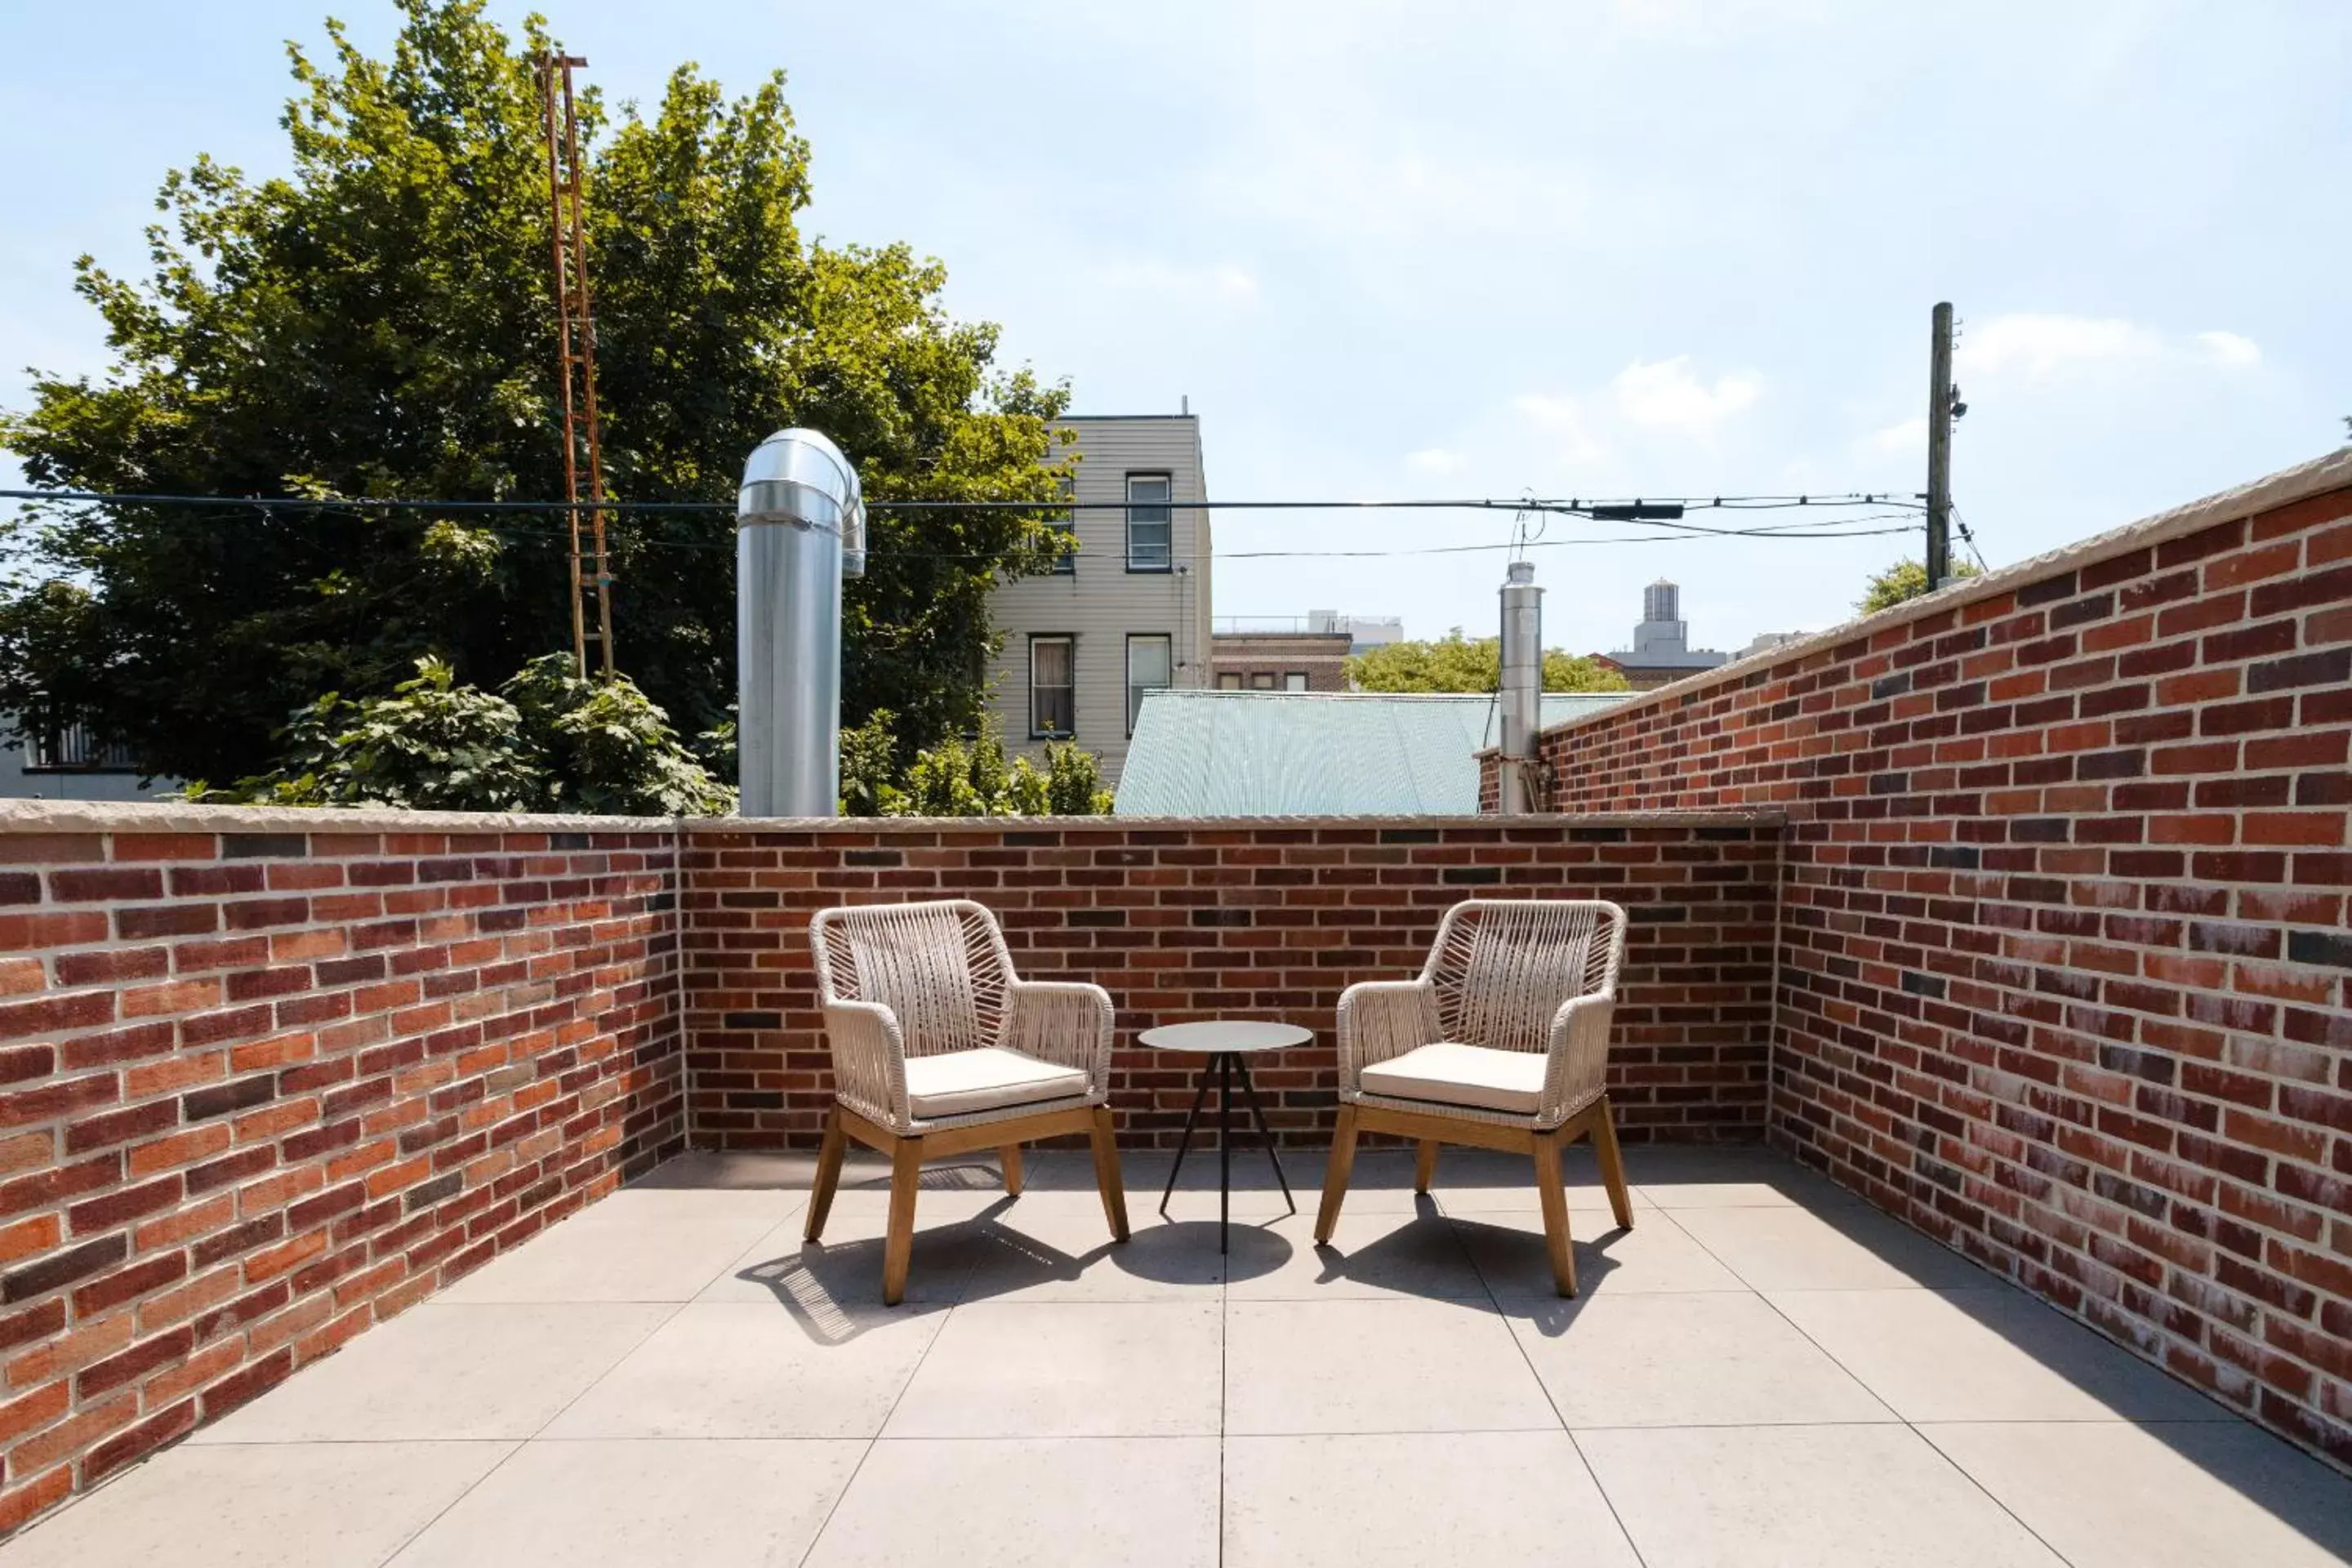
[
  {"x": 1636, "y": 508},
  {"x": 229, "y": 510}
]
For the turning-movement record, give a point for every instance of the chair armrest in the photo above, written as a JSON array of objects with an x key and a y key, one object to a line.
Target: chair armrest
[
  {"x": 1576, "y": 1069},
  {"x": 1379, "y": 1019},
  {"x": 869, "y": 1060},
  {"x": 1064, "y": 1021}
]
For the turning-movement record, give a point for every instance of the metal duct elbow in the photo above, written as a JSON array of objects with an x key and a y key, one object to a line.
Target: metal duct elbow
[
  {"x": 798, "y": 477},
  {"x": 799, "y": 529}
]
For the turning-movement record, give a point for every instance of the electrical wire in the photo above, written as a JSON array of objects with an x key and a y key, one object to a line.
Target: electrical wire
[
  {"x": 256, "y": 509},
  {"x": 1572, "y": 505},
  {"x": 1968, "y": 538}
]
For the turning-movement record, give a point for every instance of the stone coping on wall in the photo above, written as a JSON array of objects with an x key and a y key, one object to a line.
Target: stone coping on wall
[
  {"x": 40, "y": 816},
  {"x": 2318, "y": 477}
]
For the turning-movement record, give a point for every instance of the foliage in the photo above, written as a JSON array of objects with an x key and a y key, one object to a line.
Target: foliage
[
  {"x": 546, "y": 741},
  {"x": 960, "y": 778},
  {"x": 1456, "y": 663},
  {"x": 378, "y": 323},
  {"x": 1904, "y": 580}
]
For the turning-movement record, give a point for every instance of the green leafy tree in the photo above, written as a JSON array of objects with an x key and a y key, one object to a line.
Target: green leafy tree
[
  {"x": 379, "y": 323},
  {"x": 1904, "y": 580},
  {"x": 1456, "y": 663},
  {"x": 546, "y": 741},
  {"x": 965, "y": 778}
]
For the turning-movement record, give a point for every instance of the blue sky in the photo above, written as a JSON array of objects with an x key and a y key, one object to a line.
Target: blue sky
[{"x": 1590, "y": 246}]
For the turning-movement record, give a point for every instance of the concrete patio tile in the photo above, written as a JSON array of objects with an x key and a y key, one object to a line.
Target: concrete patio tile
[
  {"x": 1840, "y": 1243},
  {"x": 1482, "y": 1181},
  {"x": 727, "y": 1369},
  {"x": 1381, "y": 1182},
  {"x": 1698, "y": 1359},
  {"x": 1371, "y": 1255},
  {"x": 1992, "y": 1355},
  {"x": 1739, "y": 1176},
  {"x": 1656, "y": 1255},
  {"x": 1499, "y": 1499},
  {"x": 637, "y": 1245},
  {"x": 1397, "y": 1365},
  {"x": 1138, "y": 1502},
  {"x": 2115, "y": 1494},
  {"x": 1095, "y": 1369},
  {"x": 441, "y": 1370},
  {"x": 1802, "y": 1496},
  {"x": 843, "y": 1271},
  {"x": 1044, "y": 1250},
  {"x": 644, "y": 1505},
  {"x": 339, "y": 1505}
]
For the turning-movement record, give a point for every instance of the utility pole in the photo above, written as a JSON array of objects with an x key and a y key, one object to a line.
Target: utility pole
[
  {"x": 1939, "y": 450},
  {"x": 575, "y": 341}
]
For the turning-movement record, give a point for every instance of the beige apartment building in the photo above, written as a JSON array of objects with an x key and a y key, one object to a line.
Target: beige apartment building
[{"x": 1129, "y": 611}]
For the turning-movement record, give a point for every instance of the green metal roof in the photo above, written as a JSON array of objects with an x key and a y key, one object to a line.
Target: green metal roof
[{"x": 1316, "y": 754}]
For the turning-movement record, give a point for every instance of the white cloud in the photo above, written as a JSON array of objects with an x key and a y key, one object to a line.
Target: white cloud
[
  {"x": 1433, "y": 460},
  {"x": 2040, "y": 347},
  {"x": 1223, "y": 283},
  {"x": 1563, "y": 419},
  {"x": 2230, "y": 351},
  {"x": 1911, "y": 436},
  {"x": 1667, "y": 395}
]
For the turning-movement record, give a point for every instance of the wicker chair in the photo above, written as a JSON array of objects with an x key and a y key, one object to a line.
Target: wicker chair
[
  {"x": 940, "y": 1049},
  {"x": 1502, "y": 1043}
]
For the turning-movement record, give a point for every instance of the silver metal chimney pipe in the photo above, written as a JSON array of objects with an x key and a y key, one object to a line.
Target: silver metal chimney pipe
[
  {"x": 1522, "y": 686},
  {"x": 799, "y": 529}
]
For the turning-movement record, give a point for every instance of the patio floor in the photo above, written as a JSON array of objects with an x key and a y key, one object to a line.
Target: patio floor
[{"x": 1763, "y": 1371}]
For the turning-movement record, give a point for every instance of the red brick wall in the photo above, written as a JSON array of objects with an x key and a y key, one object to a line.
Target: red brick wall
[
  {"x": 1198, "y": 919},
  {"x": 259, "y": 1090},
  {"x": 2063, "y": 957}
]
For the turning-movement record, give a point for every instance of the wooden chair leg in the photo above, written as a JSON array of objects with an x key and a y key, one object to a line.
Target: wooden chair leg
[
  {"x": 1335, "y": 1176},
  {"x": 898, "y": 1245},
  {"x": 1106, "y": 1176},
  {"x": 1612, "y": 1163},
  {"x": 828, "y": 1176},
  {"x": 1010, "y": 1157},
  {"x": 1554, "y": 1194},
  {"x": 1425, "y": 1165}
]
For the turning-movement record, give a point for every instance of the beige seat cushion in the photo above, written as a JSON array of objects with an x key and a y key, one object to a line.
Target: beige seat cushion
[
  {"x": 958, "y": 1083},
  {"x": 1453, "y": 1074}
]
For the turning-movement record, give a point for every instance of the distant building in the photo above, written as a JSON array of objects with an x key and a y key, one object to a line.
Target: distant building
[
  {"x": 1127, "y": 612},
  {"x": 1294, "y": 653},
  {"x": 1661, "y": 650},
  {"x": 1311, "y": 754},
  {"x": 65, "y": 762},
  {"x": 1765, "y": 641}
]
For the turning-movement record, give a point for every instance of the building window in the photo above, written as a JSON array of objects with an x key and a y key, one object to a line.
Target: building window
[
  {"x": 1151, "y": 665},
  {"x": 1296, "y": 680},
  {"x": 1052, "y": 687},
  {"x": 1261, "y": 680},
  {"x": 54, "y": 745},
  {"x": 1230, "y": 680},
  {"x": 1066, "y": 563},
  {"x": 1150, "y": 538}
]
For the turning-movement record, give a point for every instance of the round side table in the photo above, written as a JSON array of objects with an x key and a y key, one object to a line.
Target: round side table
[{"x": 1226, "y": 1043}]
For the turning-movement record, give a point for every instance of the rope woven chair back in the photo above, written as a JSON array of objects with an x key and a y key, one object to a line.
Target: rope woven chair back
[
  {"x": 940, "y": 967},
  {"x": 1503, "y": 967}
]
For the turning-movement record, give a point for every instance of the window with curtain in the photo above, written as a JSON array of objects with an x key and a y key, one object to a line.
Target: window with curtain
[
  {"x": 1231, "y": 680},
  {"x": 1053, "y": 687},
  {"x": 1151, "y": 665},
  {"x": 1296, "y": 680},
  {"x": 1150, "y": 535}
]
